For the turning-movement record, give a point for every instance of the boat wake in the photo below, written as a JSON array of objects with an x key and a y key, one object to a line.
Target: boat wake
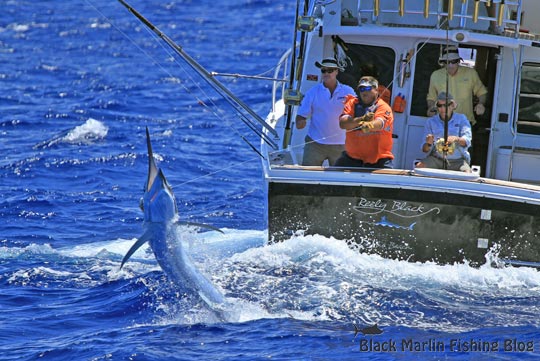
[{"x": 310, "y": 278}]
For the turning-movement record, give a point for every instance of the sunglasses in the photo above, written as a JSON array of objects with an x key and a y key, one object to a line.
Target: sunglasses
[
  {"x": 327, "y": 71},
  {"x": 443, "y": 105},
  {"x": 456, "y": 61},
  {"x": 364, "y": 88}
]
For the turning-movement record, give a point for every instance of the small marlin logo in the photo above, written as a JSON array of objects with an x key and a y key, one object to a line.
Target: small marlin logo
[
  {"x": 371, "y": 330},
  {"x": 385, "y": 223}
]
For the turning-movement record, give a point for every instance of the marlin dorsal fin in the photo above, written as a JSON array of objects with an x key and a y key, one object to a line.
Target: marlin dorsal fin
[{"x": 152, "y": 168}]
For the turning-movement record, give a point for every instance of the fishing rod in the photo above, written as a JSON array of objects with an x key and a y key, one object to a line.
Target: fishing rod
[
  {"x": 288, "y": 122},
  {"x": 446, "y": 120},
  {"x": 236, "y": 103},
  {"x": 293, "y": 96},
  {"x": 301, "y": 50}
]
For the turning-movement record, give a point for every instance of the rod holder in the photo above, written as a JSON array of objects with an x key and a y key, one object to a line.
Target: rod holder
[
  {"x": 500, "y": 14},
  {"x": 450, "y": 10},
  {"x": 475, "y": 11}
]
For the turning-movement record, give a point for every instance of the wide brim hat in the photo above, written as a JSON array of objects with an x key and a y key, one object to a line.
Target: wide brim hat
[
  {"x": 328, "y": 63},
  {"x": 450, "y": 53}
]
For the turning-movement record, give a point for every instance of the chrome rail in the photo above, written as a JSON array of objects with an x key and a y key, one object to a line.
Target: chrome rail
[{"x": 507, "y": 13}]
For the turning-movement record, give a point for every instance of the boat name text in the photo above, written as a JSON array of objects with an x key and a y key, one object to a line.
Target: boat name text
[{"x": 399, "y": 208}]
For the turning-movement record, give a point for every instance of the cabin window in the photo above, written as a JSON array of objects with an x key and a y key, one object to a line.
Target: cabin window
[
  {"x": 529, "y": 99},
  {"x": 376, "y": 61}
]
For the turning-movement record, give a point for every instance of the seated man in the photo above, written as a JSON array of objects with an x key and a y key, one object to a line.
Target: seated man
[
  {"x": 459, "y": 138},
  {"x": 369, "y": 122}
]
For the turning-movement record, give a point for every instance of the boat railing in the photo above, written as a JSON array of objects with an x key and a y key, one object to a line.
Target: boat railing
[
  {"x": 281, "y": 72},
  {"x": 504, "y": 17}
]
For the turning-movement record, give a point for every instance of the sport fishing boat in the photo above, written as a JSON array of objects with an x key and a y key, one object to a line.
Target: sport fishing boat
[
  {"x": 416, "y": 214},
  {"x": 408, "y": 213}
]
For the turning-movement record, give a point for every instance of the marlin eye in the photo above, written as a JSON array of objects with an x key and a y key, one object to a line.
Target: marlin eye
[{"x": 141, "y": 204}]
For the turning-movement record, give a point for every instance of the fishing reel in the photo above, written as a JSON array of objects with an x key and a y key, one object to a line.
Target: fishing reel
[
  {"x": 292, "y": 97},
  {"x": 443, "y": 146},
  {"x": 306, "y": 23}
]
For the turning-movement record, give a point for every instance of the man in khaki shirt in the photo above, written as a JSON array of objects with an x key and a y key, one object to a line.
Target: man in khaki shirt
[{"x": 463, "y": 83}]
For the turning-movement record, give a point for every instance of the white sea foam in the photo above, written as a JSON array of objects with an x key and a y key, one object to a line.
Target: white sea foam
[
  {"x": 308, "y": 278},
  {"x": 88, "y": 132},
  {"x": 328, "y": 260},
  {"x": 247, "y": 248},
  {"x": 319, "y": 278},
  {"x": 21, "y": 28}
]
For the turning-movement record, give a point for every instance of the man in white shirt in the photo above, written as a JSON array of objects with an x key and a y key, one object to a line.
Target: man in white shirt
[{"x": 323, "y": 103}]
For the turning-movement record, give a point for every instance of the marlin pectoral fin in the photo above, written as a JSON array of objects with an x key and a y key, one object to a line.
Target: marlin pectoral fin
[
  {"x": 200, "y": 225},
  {"x": 145, "y": 237}
]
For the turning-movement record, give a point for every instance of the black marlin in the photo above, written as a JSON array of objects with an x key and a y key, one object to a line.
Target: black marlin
[{"x": 160, "y": 225}]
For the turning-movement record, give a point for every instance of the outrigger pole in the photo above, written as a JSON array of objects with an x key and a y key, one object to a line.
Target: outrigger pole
[
  {"x": 288, "y": 122},
  {"x": 232, "y": 99},
  {"x": 292, "y": 95}
]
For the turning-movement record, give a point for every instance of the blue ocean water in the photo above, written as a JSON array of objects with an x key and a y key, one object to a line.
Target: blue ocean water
[{"x": 79, "y": 82}]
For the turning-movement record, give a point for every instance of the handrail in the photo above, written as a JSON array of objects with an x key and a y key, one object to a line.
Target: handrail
[
  {"x": 282, "y": 64},
  {"x": 502, "y": 8},
  {"x": 518, "y": 66}
]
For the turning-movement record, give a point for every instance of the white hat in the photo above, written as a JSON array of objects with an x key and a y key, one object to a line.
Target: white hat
[
  {"x": 328, "y": 63},
  {"x": 368, "y": 81},
  {"x": 449, "y": 53}
]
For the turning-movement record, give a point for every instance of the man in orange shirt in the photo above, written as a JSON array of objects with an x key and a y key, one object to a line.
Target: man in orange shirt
[{"x": 369, "y": 123}]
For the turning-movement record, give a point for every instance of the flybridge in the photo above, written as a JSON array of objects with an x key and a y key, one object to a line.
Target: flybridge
[{"x": 463, "y": 14}]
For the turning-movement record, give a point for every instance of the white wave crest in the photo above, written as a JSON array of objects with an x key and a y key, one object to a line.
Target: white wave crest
[
  {"x": 314, "y": 278},
  {"x": 89, "y": 132}
]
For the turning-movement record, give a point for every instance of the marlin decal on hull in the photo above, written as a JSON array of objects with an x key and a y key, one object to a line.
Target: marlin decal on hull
[{"x": 160, "y": 224}]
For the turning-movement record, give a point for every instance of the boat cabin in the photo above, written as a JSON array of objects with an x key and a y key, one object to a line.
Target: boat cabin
[
  {"x": 403, "y": 41},
  {"x": 406, "y": 212}
]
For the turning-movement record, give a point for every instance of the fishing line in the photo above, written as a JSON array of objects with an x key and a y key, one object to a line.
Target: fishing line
[
  {"x": 415, "y": 53},
  {"x": 214, "y": 172},
  {"x": 201, "y": 102},
  {"x": 155, "y": 62},
  {"x": 187, "y": 75},
  {"x": 190, "y": 78},
  {"x": 242, "y": 109},
  {"x": 408, "y": 62}
]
